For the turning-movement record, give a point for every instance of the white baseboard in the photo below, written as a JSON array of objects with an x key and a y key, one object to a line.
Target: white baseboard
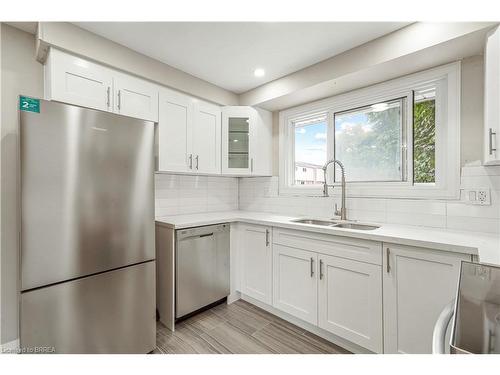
[
  {"x": 308, "y": 327},
  {"x": 11, "y": 347},
  {"x": 233, "y": 297}
]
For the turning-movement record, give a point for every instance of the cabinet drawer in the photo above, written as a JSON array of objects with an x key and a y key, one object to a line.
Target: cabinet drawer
[{"x": 344, "y": 247}]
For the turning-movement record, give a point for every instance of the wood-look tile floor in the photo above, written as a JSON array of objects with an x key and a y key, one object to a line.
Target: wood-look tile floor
[{"x": 239, "y": 328}]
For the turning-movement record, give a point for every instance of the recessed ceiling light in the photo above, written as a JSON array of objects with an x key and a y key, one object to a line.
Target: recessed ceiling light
[{"x": 259, "y": 72}]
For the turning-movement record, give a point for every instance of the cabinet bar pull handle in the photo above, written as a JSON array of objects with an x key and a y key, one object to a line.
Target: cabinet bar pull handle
[
  {"x": 387, "y": 254},
  {"x": 312, "y": 267},
  {"x": 321, "y": 269},
  {"x": 491, "y": 134},
  {"x": 108, "y": 100},
  {"x": 197, "y": 161},
  {"x": 251, "y": 165},
  {"x": 119, "y": 99},
  {"x": 190, "y": 161},
  {"x": 267, "y": 237}
]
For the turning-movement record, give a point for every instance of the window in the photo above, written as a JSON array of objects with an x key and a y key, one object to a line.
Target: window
[
  {"x": 310, "y": 151},
  {"x": 424, "y": 135},
  {"x": 369, "y": 142},
  {"x": 396, "y": 139}
]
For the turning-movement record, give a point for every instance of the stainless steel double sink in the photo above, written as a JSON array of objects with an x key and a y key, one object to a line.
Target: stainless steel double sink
[{"x": 336, "y": 224}]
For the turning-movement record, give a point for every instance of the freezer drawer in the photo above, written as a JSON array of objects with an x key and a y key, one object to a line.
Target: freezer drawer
[
  {"x": 202, "y": 267},
  {"x": 112, "y": 312}
]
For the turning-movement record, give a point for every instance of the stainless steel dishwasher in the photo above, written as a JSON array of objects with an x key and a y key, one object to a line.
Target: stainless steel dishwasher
[{"x": 201, "y": 268}]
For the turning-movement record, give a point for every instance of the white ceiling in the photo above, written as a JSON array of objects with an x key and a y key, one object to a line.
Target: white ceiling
[{"x": 226, "y": 54}]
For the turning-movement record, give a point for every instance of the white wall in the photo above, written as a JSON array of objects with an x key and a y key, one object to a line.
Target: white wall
[
  {"x": 472, "y": 110},
  {"x": 69, "y": 37},
  {"x": 21, "y": 74},
  {"x": 416, "y": 47}
]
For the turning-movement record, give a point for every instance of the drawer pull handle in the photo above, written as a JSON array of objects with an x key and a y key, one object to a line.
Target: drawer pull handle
[
  {"x": 491, "y": 134},
  {"x": 108, "y": 100},
  {"x": 388, "y": 253},
  {"x": 312, "y": 267}
]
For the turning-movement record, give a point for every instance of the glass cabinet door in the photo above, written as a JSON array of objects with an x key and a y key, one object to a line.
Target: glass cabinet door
[{"x": 238, "y": 142}]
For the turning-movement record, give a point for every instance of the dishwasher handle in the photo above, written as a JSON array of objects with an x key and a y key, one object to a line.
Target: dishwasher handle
[{"x": 200, "y": 232}]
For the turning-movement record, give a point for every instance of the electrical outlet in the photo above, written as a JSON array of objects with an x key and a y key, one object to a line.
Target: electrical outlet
[{"x": 478, "y": 196}]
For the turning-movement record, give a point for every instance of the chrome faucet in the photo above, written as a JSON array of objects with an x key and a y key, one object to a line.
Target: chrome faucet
[{"x": 343, "y": 211}]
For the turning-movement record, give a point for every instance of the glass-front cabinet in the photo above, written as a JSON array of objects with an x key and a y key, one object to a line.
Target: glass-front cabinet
[
  {"x": 247, "y": 141},
  {"x": 238, "y": 131},
  {"x": 238, "y": 142}
]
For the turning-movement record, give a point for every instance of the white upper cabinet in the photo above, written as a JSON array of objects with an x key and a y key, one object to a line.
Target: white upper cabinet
[
  {"x": 174, "y": 132},
  {"x": 77, "y": 81},
  {"x": 492, "y": 98},
  {"x": 246, "y": 141},
  {"x": 206, "y": 138},
  {"x": 417, "y": 284},
  {"x": 73, "y": 80},
  {"x": 189, "y": 132},
  {"x": 135, "y": 97},
  {"x": 193, "y": 136},
  {"x": 263, "y": 143}
]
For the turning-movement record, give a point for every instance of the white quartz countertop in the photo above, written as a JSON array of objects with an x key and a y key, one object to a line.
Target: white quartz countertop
[{"x": 486, "y": 246}]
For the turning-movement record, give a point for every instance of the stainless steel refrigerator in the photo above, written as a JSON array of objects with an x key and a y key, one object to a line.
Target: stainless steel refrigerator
[{"x": 87, "y": 231}]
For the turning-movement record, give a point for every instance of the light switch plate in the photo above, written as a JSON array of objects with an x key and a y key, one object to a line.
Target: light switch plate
[{"x": 479, "y": 196}]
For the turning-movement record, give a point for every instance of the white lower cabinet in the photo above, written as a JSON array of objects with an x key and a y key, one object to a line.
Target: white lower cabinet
[
  {"x": 417, "y": 283},
  {"x": 350, "y": 300},
  {"x": 295, "y": 282},
  {"x": 256, "y": 261},
  {"x": 385, "y": 298}
]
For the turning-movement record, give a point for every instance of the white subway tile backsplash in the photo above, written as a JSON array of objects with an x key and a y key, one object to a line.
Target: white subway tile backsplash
[
  {"x": 417, "y": 207},
  {"x": 460, "y": 209},
  {"x": 486, "y": 181},
  {"x": 409, "y": 218},
  {"x": 261, "y": 194},
  {"x": 183, "y": 194},
  {"x": 475, "y": 224}
]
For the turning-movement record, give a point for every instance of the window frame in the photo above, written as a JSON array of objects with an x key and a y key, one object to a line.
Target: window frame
[{"x": 445, "y": 78}]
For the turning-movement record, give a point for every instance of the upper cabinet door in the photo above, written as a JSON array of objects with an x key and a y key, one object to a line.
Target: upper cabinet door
[
  {"x": 237, "y": 125},
  {"x": 417, "y": 284},
  {"x": 206, "y": 138},
  {"x": 262, "y": 143},
  {"x": 135, "y": 97},
  {"x": 492, "y": 98},
  {"x": 70, "y": 79},
  {"x": 174, "y": 137}
]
